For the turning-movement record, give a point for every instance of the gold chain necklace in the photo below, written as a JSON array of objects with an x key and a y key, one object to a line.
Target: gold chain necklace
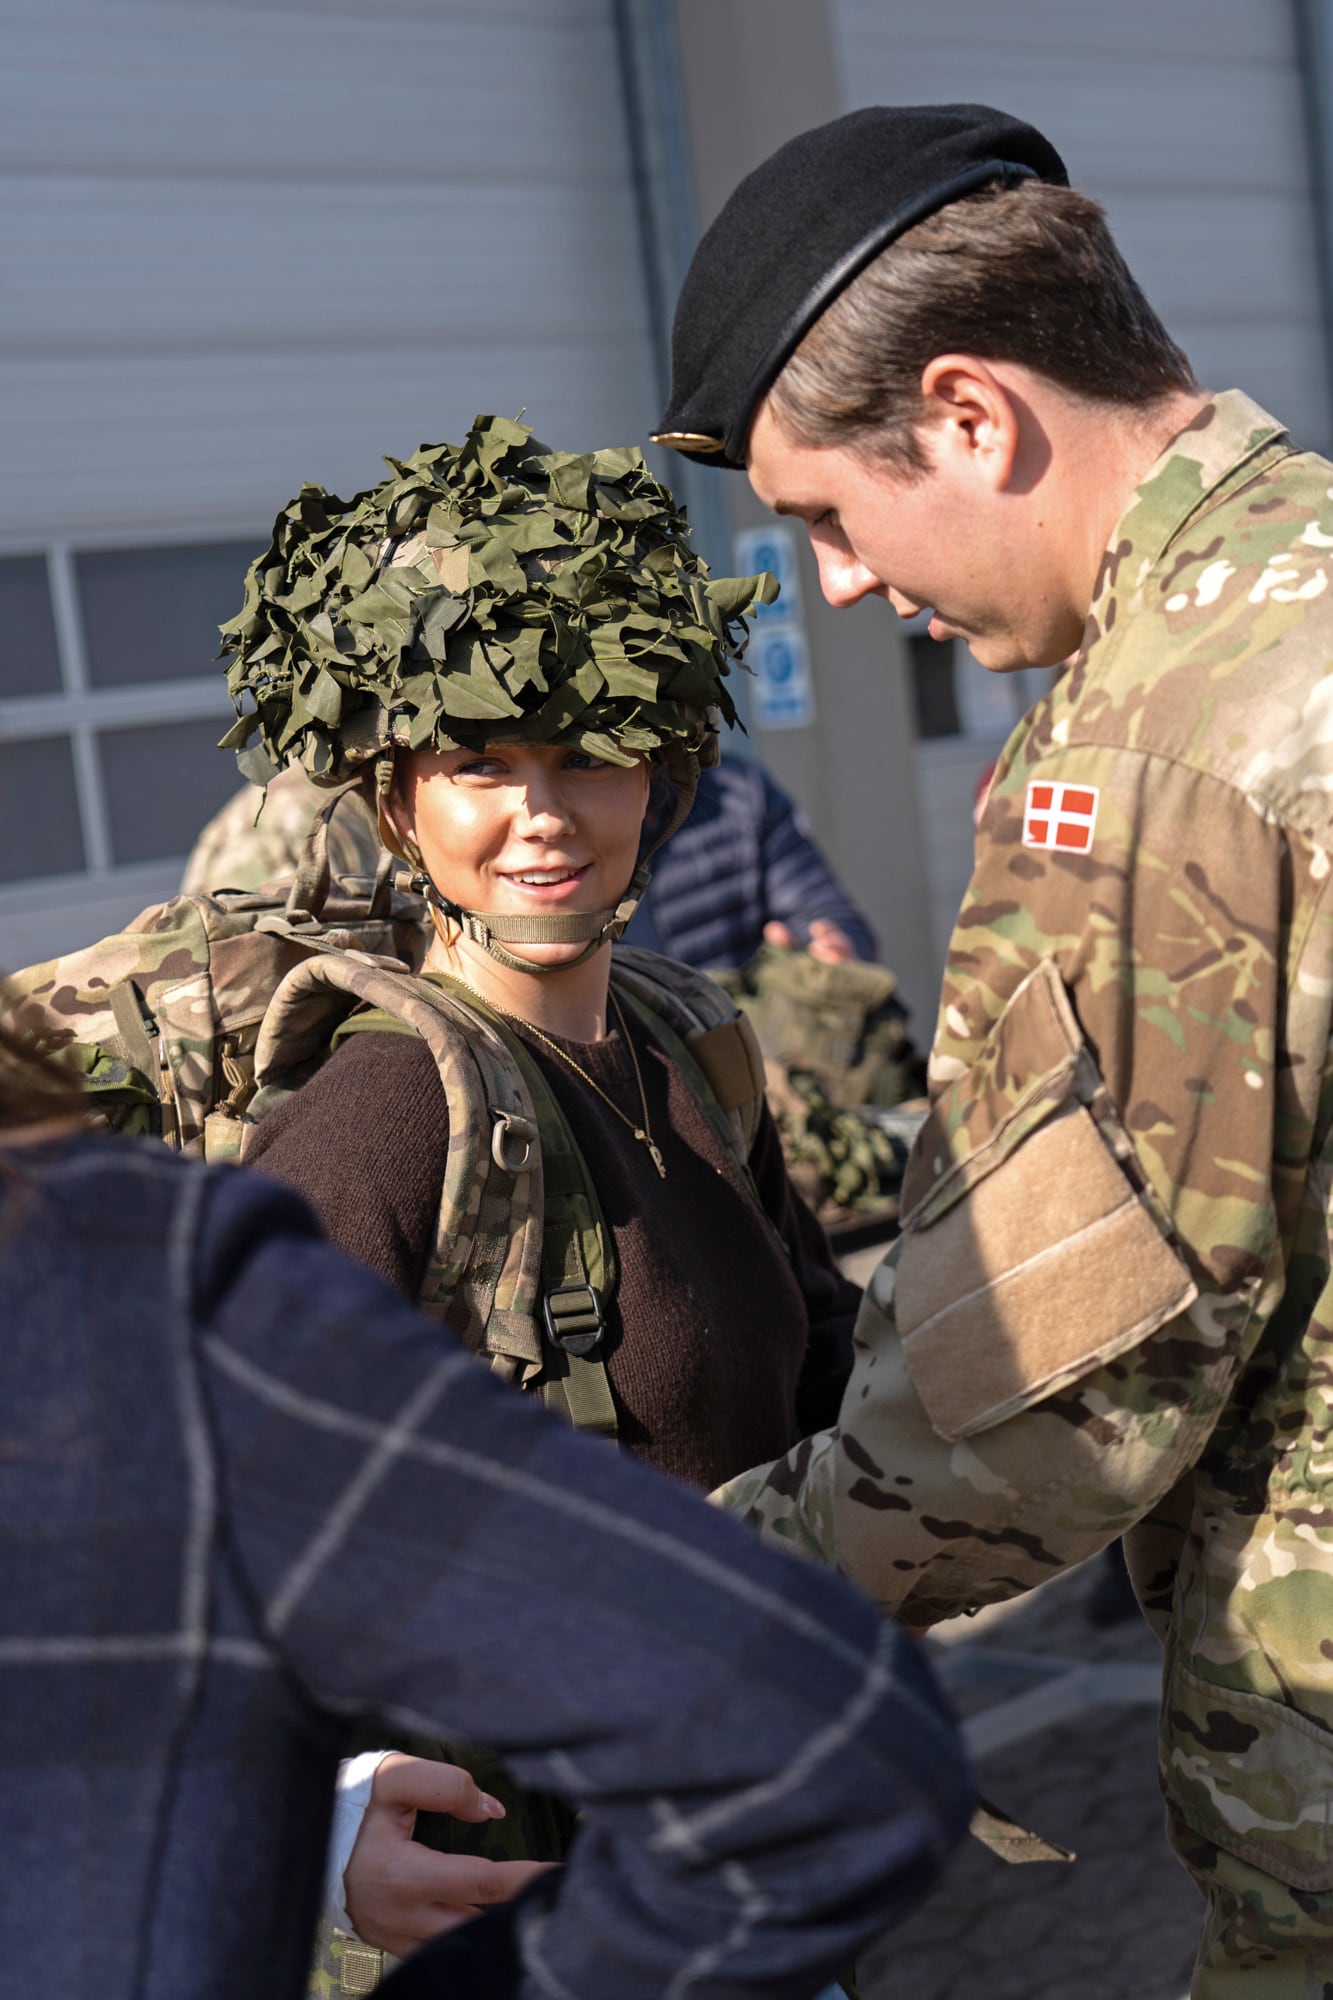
[{"x": 643, "y": 1133}]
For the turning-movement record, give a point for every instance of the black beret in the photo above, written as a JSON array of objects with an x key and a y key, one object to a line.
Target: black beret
[{"x": 799, "y": 229}]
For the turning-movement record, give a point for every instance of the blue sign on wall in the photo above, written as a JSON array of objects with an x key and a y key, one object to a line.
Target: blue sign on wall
[
  {"x": 784, "y": 697},
  {"x": 772, "y": 548},
  {"x": 779, "y": 651}
]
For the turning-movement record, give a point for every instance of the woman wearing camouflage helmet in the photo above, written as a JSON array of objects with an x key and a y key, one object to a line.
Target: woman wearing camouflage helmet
[{"x": 510, "y": 645}]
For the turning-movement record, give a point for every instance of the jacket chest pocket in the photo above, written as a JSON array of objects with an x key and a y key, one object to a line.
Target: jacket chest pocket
[{"x": 1033, "y": 1249}]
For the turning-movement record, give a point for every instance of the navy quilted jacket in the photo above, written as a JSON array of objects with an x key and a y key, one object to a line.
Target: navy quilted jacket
[{"x": 743, "y": 858}]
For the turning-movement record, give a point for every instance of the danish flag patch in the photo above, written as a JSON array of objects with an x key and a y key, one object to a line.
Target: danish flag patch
[{"x": 1060, "y": 816}]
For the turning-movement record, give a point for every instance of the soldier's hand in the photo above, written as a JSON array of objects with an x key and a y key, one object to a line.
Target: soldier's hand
[{"x": 397, "y": 1893}]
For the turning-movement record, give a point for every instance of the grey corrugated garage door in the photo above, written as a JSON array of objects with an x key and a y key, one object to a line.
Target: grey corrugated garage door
[{"x": 247, "y": 244}]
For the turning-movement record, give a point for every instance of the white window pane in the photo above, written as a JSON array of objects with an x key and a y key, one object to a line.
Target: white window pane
[
  {"x": 153, "y": 614},
  {"x": 161, "y": 784}
]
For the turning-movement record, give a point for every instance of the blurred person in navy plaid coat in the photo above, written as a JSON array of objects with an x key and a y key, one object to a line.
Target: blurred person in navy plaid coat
[{"x": 247, "y": 1495}]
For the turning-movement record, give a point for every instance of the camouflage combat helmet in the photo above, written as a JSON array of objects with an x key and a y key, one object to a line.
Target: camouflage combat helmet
[{"x": 489, "y": 592}]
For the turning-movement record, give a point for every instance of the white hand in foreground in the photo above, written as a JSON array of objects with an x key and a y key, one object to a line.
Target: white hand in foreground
[{"x": 398, "y": 1893}]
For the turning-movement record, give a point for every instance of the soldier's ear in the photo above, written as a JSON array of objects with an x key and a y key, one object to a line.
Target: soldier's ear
[{"x": 972, "y": 422}]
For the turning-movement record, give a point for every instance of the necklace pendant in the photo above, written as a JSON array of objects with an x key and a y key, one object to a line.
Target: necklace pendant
[{"x": 655, "y": 1156}]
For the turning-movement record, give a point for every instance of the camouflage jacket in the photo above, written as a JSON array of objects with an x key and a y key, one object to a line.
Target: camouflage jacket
[{"x": 1111, "y": 1307}]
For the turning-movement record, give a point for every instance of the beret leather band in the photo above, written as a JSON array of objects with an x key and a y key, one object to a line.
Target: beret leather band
[{"x": 695, "y": 441}]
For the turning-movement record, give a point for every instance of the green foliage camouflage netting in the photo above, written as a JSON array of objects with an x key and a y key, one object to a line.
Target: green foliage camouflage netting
[{"x": 489, "y": 591}]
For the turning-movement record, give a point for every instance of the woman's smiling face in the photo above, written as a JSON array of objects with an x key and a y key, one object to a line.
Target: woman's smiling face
[{"x": 523, "y": 828}]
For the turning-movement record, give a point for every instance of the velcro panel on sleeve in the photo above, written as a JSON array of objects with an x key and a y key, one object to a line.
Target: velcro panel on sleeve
[
  {"x": 1049, "y": 1265},
  {"x": 729, "y": 1057},
  {"x": 1028, "y": 1064}
]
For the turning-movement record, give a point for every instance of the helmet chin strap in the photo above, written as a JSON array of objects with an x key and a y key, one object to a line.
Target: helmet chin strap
[{"x": 493, "y": 930}]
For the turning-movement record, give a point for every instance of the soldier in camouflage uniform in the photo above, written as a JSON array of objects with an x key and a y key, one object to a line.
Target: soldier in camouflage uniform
[
  {"x": 258, "y": 836},
  {"x": 1111, "y": 1309}
]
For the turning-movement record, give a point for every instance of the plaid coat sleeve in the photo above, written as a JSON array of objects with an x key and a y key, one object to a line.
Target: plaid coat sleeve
[{"x": 767, "y": 1773}]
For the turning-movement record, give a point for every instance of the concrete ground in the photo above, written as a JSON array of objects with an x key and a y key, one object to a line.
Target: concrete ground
[{"x": 1061, "y": 1718}]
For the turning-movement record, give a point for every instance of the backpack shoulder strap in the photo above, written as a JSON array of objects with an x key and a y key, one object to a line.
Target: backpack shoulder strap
[
  {"x": 578, "y": 1258},
  {"x": 490, "y": 1207},
  {"x": 718, "y": 1039},
  {"x": 510, "y": 1272}
]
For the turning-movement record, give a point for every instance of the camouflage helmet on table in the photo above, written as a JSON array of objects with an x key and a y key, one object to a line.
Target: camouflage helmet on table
[{"x": 488, "y": 592}]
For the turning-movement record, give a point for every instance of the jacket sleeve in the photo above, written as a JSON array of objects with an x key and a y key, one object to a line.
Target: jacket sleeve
[
  {"x": 1099, "y": 1209},
  {"x": 767, "y": 1772},
  {"x": 798, "y": 884}
]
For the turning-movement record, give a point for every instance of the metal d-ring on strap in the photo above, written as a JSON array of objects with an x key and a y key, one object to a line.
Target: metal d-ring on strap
[{"x": 511, "y": 1125}]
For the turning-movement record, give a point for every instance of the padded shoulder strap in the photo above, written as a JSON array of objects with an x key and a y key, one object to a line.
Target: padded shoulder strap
[
  {"x": 522, "y": 1257},
  {"x": 578, "y": 1252},
  {"x": 485, "y": 1272}
]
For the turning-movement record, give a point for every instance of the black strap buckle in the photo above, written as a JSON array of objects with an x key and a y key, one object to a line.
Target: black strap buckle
[{"x": 572, "y": 1315}]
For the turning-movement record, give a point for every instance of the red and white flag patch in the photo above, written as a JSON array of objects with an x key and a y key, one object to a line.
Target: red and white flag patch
[{"x": 1060, "y": 816}]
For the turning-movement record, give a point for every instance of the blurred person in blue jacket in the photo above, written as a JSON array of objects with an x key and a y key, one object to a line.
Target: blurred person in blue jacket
[{"x": 742, "y": 871}]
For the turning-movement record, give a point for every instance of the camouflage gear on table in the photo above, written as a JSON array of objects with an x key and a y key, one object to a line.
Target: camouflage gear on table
[
  {"x": 835, "y": 1040},
  {"x": 258, "y": 836},
  {"x": 842, "y": 1023},
  {"x": 848, "y": 1168},
  {"x": 1111, "y": 1310},
  {"x": 487, "y": 592}
]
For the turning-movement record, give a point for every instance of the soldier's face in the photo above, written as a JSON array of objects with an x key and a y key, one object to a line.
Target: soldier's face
[
  {"x": 527, "y": 828},
  {"x": 961, "y": 539}
]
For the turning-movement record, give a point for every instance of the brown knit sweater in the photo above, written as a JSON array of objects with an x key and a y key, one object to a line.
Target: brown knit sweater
[{"x": 729, "y": 1334}]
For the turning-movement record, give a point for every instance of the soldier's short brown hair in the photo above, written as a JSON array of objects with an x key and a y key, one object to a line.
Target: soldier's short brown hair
[{"x": 1027, "y": 273}]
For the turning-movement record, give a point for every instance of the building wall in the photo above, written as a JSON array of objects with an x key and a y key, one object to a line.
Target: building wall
[
  {"x": 250, "y": 243},
  {"x": 1185, "y": 118}
]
